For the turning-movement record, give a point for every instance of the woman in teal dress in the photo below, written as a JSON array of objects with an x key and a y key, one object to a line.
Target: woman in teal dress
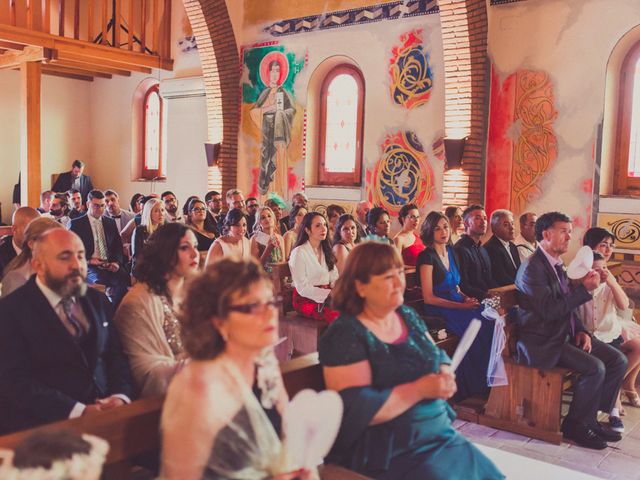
[
  {"x": 439, "y": 280},
  {"x": 393, "y": 380}
]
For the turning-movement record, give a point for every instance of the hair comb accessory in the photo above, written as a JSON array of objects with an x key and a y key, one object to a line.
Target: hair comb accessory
[{"x": 278, "y": 199}]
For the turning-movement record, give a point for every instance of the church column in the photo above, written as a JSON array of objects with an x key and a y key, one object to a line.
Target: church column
[{"x": 30, "y": 133}]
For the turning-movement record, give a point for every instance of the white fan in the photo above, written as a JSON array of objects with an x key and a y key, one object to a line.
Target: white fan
[
  {"x": 581, "y": 263},
  {"x": 311, "y": 423}
]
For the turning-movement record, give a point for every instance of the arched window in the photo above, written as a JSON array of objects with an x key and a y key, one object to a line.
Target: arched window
[
  {"x": 152, "y": 167},
  {"x": 341, "y": 127},
  {"x": 627, "y": 157}
]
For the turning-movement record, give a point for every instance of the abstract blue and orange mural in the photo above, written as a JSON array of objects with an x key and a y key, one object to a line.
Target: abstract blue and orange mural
[
  {"x": 403, "y": 174},
  {"x": 271, "y": 115},
  {"x": 411, "y": 78}
]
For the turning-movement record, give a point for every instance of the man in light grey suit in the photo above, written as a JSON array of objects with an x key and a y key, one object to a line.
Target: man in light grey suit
[{"x": 121, "y": 217}]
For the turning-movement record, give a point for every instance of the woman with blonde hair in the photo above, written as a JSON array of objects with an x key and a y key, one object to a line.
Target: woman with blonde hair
[
  {"x": 222, "y": 416},
  {"x": 153, "y": 215},
  {"x": 296, "y": 215},
  {"x": 19, "y": 269},
  {"x": 266, "y": 243}
]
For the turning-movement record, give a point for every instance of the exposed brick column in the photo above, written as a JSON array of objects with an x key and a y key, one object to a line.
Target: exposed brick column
[
  {"x": 221, "y": 71},
  {"x": 464, "y": 38}
]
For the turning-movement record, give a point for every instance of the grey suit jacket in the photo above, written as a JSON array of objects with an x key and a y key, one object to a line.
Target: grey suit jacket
[
  {"x": 125, "y": 217},
  {"x": 544, "y": 314}
]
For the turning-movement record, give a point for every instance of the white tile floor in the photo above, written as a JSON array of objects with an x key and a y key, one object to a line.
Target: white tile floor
[{"x": 620, "y": 461}]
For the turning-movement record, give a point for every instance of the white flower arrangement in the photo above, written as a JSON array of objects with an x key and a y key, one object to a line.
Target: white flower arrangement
[
  {"x": 491, "y": 302},
  {"x": 80, "y": 466}
]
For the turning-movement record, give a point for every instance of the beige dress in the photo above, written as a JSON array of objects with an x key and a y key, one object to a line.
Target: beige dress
[{"x": 150, "y": 337}]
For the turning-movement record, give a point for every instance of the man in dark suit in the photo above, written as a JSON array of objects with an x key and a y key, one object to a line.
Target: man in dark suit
[
  {"x": 475, "y": 264},
  {"x": 60, "y": 356},
  {"x": 74, "y": 179},
  {"x": 550, "y": 333},
  {"x": 103, "y": 245},
  {"x": 77, "y": 207},
  {"x": 11, "y": 245},
  {"x": 252, "y": 209},
  {"x": 503, "y": 253},
  {"x": 213, "y": 200}
]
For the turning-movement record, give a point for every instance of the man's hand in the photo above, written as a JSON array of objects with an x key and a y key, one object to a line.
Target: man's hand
[
  {"x": 89, "y": 409},
  {"x": 112, "y": 266},
  {"x": 110, "y": 402},
  {"x": 96, "y": 262},
  {"x": 583, "y": 341}
]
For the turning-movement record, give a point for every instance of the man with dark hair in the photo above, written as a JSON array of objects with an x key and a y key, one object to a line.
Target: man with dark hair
[
  {"x": 475, "y": 264},
  {"x": 60, "y": 356},
  {"x": 213, "y": 200},
  {"x": 550, "y": 334},
  {"x": 103, "y": 246},
  {"x": 526, "y": 241},
  {"x": 252, "y": 208},
  {"x": 115, "y": 212},
  {"x": 171, "y": 207},
  {"x": 503, "y": 253},
  {"x": 45, "y": 201},
  {"x": 74, "y": 179},
  {"x": 60, "y": 209},
  {"x": 11, "y": 245},
  {"x": 75, "y": 200}
]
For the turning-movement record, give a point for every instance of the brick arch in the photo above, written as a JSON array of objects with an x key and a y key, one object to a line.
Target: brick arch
[
  {"x": 221, "y": 71},
  {"x": 464, "y": 41}
]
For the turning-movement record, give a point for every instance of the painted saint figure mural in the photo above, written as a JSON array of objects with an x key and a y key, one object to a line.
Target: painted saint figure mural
[{"x": 273, "y": 113}]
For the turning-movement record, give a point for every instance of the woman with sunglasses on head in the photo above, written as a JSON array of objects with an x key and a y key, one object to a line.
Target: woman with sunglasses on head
[
  {"x": 296, "y": 215},
  {"x": 603, "y": 314},
  {"x": 266, "y": 244},
  {"x": 233, "y": 243},
  {"x": 146, "y": 318},
  {"x": 345, "y": 239},
  {"x": 313, "y": 269},
  {"x": 407, "y": 241},
  {"x": 222, "y": 414},
  {"x": 196, "y": 216}
]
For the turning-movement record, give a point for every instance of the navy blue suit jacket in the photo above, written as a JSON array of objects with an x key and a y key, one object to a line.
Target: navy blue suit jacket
[
  {"x": 82, "y": 228},
  {"x": 544, "y": 314},
  {"x": 43, "y": 370}
]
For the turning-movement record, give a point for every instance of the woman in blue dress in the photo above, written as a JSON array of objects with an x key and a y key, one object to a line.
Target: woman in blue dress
[
  {"x": 393, "y": 380},
  {"x": 440, "y": 279}
]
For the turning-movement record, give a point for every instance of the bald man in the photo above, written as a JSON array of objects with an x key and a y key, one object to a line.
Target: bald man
[
  {"x": 60, "y": 356},
  {"x": 11, "y": 245}
]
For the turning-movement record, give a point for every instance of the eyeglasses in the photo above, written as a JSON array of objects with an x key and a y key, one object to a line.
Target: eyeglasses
[
  {"x": 414, "y": 217},
  {"x": 256, "y": 307},
  {"x": 607, "y": 245},
  {"x": 198, "y": 210}
]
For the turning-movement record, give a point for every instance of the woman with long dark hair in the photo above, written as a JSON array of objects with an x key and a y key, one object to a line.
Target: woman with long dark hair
[
  {"x": 146, "y": 318},
  {"x": 379, "y": 224},
  {"x": 439, "y": 278},
  {"x": 196, "y": 216},
  {"x": 233, "y": 243},
  {"x": 345, "y": 239},
  {"x": 313, "y": 269},
  {"x": 296, "y": 215},
  {"x": 407, "y": 241}
]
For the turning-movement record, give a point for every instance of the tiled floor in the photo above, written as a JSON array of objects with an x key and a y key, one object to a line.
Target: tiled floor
[{"x": 621, "y": 461}]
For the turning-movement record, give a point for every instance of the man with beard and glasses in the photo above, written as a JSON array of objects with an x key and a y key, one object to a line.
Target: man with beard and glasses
[{"x": 60, "y": 356}]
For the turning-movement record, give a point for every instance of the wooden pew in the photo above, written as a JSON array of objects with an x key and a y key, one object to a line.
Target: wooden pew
[
  {"x": 531, "y": 404},
  {"x": 5, "y": 230},
  {"x": 134, "y": 429}
]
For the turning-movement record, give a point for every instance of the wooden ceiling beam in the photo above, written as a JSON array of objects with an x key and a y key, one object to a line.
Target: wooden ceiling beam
[
  {"x": 12, "y": 46},
  {"x": 54, "y": 67},
  {"x": 14, "y": 59},
  {"x": 99, "y": 53},
  {"x": 65, "y": 55},
  {"x": 92, "y": 67},
  {"x": 66, "y": 73}
]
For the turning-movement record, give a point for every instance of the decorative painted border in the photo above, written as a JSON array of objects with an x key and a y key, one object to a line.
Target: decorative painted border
[
  {"x": 500, "y": 2},
  {"x": 356, "y": 16}
]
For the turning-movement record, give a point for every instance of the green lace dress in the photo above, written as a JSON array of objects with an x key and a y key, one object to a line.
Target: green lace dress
[{"x": 419, "y": 444}]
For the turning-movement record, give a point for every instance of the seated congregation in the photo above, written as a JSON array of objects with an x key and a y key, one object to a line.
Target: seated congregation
[{"x": 111, "y": 306}]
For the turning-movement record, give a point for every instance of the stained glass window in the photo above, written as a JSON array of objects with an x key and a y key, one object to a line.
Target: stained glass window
[
  {"x": 152, "y": 166},
  {"x": 342, "y": 105}
]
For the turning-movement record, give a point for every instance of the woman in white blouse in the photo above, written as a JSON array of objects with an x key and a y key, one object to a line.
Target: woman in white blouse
[{"x": 313, "y": 269}]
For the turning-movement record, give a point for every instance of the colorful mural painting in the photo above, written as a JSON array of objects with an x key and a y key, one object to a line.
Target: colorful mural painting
[
  {"x": 403, "y": 174},
  {"x": 411, "y": 78},
  {"x": 522, "y": 142},
  {"x": 271, "y": 116}
]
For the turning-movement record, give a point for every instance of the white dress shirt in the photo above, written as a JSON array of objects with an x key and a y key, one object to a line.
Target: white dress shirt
[
  {"x": 506, "y": 247},
  {"x": 525, "y": 248},
  {"x": 307, "y": 272},
  {"x": 600, "y": 315}
]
